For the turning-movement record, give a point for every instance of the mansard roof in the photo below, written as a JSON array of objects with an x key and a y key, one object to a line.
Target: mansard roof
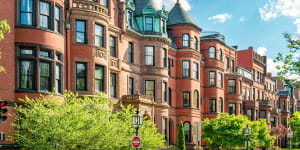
[{"x": 179, "y": 16}]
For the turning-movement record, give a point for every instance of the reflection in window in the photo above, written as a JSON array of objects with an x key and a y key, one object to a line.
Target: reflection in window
[
  {"x": 26, "y": 74},
  {"x": 129, "y": 18},
  {"x": 187, "y": 131},
  {"x": 212, "y": 52},
  {"x": 80, "y": 76},
  {"x": 185, "y": 40},
  {"x": 112, "y": 43},
  {"x": 195, "y": 71},
  {"x": 231, "y": 109},
  {"x": 45, "y": 80},
  {"x": 44, "y": 15},
  {"x": 212, "y": 78},
  {"x": 149, "y": 88},
  {"x": 186, "y": 99},
  {"x": 220, "y": 104},
  {"x": 196, "y": 99},
  {"x": 130, "y": 86},
  {"x": 99, "y": 35},
  {"x": 220, "y": 80},
  {"x": 99, "y": 78},
  {"x": 185, "y": 69},
  {"x": 113, "y": 85},
  {"x": 58, "y": 78},
  {"x": 221, "y": 55},
  {"x": 231, "y": 86},
  {"x": 80, "y": 32},
  {"x": 130, "y": 52},
  {"x": 26, "y": 12},
  {"x": 149, "y": 56},
  {"x": 148, "y": 23},
  {"x": 57, "y": 19},
  {"x": 195, "y": 43},
  {"x": 212, "y": 105}
]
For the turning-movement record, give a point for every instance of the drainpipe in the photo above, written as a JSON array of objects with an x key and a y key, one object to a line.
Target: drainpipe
[{"x": 67, "y": 28}]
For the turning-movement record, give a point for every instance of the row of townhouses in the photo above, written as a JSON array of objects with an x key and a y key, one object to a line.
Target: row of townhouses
[{"x": 157, "y": 60}]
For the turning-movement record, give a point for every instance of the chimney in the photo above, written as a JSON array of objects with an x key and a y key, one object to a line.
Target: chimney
[
  {"x": 177, "y": 2},
  {"x": 235, "y": 46}
]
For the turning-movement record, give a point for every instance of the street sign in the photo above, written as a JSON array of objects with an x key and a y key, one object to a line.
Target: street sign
[{"x": 136, "y": 142}]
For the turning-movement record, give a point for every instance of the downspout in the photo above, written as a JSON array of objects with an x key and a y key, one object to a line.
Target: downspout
[{"x": 67, "y": 28}]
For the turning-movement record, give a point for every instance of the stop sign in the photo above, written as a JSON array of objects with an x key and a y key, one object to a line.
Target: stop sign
[{"x": 136, "y": 142}]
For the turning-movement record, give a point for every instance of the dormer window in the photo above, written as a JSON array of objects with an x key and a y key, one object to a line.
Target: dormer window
[
  {"x": 148, "y": 23},
  {"x": 185, "y": 40},
  {"x": 163, "y": 26},
  {"x": 129, "y": 18}
]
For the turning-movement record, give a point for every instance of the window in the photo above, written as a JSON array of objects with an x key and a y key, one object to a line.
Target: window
[
  {"x": 232, "y": 65},
  {"x": 195, "y": 71},
  {"x": 149, "y": 56},
  {"x": 231, "y": 86},
  {"x": 291, "y": 108},
  {"x": 231, "y": 108},
  {"x": 212, "y": 78},
  {"x": 212, "y": 105},
  {"x": 283, "y": 120},
  {"x": 185, "y": 69},
  {"x": 57, "y": 19},
  {"x": 130, "y": 86},
  {"x": 112, "y": 43},
  {"x": 163, "y": 26},
  {"x": 99, "y": 35},
  {"x": 45, "y": 77},
  {"x": 170, "y": 96},
  {"x": 165, "y": 129},
  {"x": 165, "y": 57},
  {"x": 240, "y": 108},
  {"x": 186, "y": 99},
  {"x": 26, "y": 74},
  {"x": 149, "y": 88},
  {"x": 196, "y": 99},
  {"x": 220, "y": 80},
  {"x": 164, "y": 91},
  {"x": 221, "y": 55},
  {"x": 129, "y": 18},
  {"x": 105, "y": 3},
  {"x": 253, "y": 73},
  {"x": 80, "y": 76},
  {"x": 262, "y": 114},
  {"x": 195, "y": 43},
  {"x": 220, "y": 104},
  {"x": 44, "y": 15},
  {"x": 273, "y": 123},
  {"x": 26, "y": 12},
  {"x": 169, "y": 66},
  {"x": 58, "y": 79},
  {"x": 187, "y": 131},
  {"x": 130, "y": 53},
  {"x": 212, "y": 52},
  {"x": 80, "y": 32},
  {"x": 262, "y": 95},
  {"x": 240, "y": 86},
  {"x": 99, "y": 78},
  {"x": 249, "y": 114},
  {"x": 254, "y": 94},
  {"x": 148, "y": 23},
  {"x": 113, "y": 85},
  {"x": 249, "y": 95},
  {"x": 227, "y": 63},
  {"x": 258, "y": 94},
  {"x": 185, "y": 40}
]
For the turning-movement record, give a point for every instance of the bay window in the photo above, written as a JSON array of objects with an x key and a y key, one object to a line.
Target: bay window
[{"x": 149, "y": 56}]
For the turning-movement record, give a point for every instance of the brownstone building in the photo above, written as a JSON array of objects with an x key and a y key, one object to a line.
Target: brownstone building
[{"x": 159, "y": 61}]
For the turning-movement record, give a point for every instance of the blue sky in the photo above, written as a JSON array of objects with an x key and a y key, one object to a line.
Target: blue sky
[{"x": 257, "y": 23}]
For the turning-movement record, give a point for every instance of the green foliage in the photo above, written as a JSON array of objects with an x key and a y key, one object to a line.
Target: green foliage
[
  {"x": 4, "y": 27},
  {"x": 295, "y": 125},
  {"x": 79, "y": 123},
  {"x": 290, "y": 62},
  {"x": 181, "y": 137},
  {"x": 227, "y": 132}
]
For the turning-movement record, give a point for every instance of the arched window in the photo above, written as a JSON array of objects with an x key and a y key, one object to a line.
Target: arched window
[
  {"x": 220, "y": 104},
  {"x": 187, "y": 131},
  {"x": 185, "y": 40},
  {"x": 196, "y": 99},
  {"x": 221, "y": 55},
  {"x": 212, "y": 52},
  {"x": 195, "y": 43}
]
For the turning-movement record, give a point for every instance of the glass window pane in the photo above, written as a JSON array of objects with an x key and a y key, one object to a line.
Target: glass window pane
[
  {"x": 149, "y": 56},
  {"x": 26, "y": 18},
  {"x": 80, "y": 26},
  {"x": 44, "y": 53},
  {"x": 149, "y": 87},
  {"x": 26, "y": 74},
  {"x": 112, "y": 85},
  {"x": 26, "y": 52},
  {"x": 45, "y": 76},
  {"x": 80, "y": 37},
  {"x": 26, "y": 5}
]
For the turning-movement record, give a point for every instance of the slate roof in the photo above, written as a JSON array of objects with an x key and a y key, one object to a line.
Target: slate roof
[
  {"x": 179, "y": 16},
  {"x": 141, "y": 4}
]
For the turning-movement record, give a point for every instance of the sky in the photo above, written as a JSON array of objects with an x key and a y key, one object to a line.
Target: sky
[{"x": 256, "y": 23}]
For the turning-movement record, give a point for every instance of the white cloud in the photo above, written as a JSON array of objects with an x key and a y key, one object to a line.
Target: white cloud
[
  {"x": 274, "y": 8},
  {"x": 242, "y": 19},
  {"x": 169, "y": 4},
  {"x": 271, "y": 66},
  {"x": 261, "y": 51},
  {"x": 297, "y": 22},
  {"x": 221, "y": 18}
]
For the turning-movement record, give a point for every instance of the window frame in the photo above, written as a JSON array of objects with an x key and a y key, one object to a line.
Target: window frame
[
  {"x": 186, "y": 71},
  {"x": 212, "y": 52},
  {"x": 129, "y": 19},
  {"x": 49, "y": 16},
  {"x": 232, "y": 88},
  {"x": 188, "y": 104},
  {"x": 232, "y": 65},
  {"x": 84, "y": 77},
  {"x": 164, "y": 91},
  {"x": 113, "y": 84},
  {"x": 212, "y": 106},
  {"x": 151, "y": 56},
  {"x": 153, "y": 90},
  {"x": 187, "y": 138},
  {"x": 57, "y": 21},
  {"x": 164, "y": 54},
  {"x": 195, "y": 72},
  {"x": 147, "y": 24},
  {"x": 186, "y": 40},
  {"x": 234, "y": 109},
  {"x": 130, "y": 86},
  {"x": 196, "y": 99},
  {"x": 212, "y": 79},
  {"x": 99, "y": 36},
  {"x": 221, "y": 55},
  {"x": 220, "y": 104},
  {"x": 220, "y": 80},
  {"x": 130, "y": 52},
  {"x": 27, "y": 12},
  {"x": 227, "y": 63},
  {"x": 49, "y": 77},
  {"x": 195, "y": 43},
  {"x": 84, "y": 32},
  {"x": 102, "y": 88},
  {"x": 113, "y": 46}
]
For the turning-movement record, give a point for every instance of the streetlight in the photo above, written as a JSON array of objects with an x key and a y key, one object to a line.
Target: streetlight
[
  {"x": 137, "y": 121},
  {"x": 290, "y": 135},
  {"x": 247, "y": 132}
]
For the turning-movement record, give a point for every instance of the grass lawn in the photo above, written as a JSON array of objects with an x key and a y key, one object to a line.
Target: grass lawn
[{"x": 292, "y": 149}]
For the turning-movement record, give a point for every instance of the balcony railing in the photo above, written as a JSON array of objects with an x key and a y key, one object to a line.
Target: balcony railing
[
  {"x": 251, "y": 103},
  {"x": 138, "y": 97},
  {"x": 89, "y": 5},
  {"x": 245, "y": 73},
  {"x": 265, "y": 103}
]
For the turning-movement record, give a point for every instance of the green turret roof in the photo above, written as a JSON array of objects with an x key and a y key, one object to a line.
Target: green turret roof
[
  {"x": 141, "y": 4},
  {"x": 179, "y": 16}
]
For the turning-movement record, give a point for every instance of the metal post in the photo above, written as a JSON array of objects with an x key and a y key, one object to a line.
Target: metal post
[{"x": 137, "y": 128}]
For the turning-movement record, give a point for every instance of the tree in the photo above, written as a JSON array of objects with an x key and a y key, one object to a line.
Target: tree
[
  {"x": 295, "y": 125},
  {"x": 73, "y": 122},
  {"x": 227, "y": 132},
  {"x": 291, "y": 61},
  {"x": 181, "y": 137},
  {"x": 4, "y": 27}
]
